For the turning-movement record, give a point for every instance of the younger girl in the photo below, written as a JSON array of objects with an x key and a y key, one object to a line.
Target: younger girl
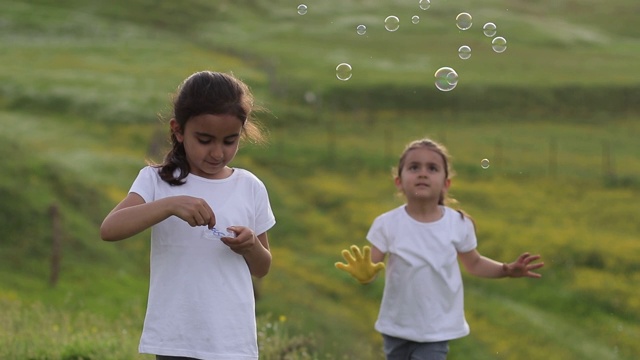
[
  {"x": 209, "y": 227},
  {"x": 422, "y": 304}
]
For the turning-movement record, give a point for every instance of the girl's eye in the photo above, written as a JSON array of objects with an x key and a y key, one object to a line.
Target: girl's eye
[
  {"x": 231, "y": 140},
  {"x": 203, "y": 141}
]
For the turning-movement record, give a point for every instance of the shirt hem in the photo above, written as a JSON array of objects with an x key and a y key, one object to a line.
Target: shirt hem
[
  {"x": 434, "y": 338},
  {"x": 194, "y": 354}
]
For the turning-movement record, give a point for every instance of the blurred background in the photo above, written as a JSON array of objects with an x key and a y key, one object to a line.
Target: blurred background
[{"x": 544, "y": 132}]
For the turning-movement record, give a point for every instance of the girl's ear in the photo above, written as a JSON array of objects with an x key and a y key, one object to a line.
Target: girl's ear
[
  {"x": 176, "y": 130},
  {"x": 447, "y": 184},
  {"x": 398, "y": 182}
]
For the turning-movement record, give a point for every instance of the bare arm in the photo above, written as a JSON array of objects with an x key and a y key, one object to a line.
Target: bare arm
[
  {"x": 133, "y": 215},
  {"x": 254, "y": 249},
  {"x": 376, "y": 255},
  {"x": 482, "y": 266}
]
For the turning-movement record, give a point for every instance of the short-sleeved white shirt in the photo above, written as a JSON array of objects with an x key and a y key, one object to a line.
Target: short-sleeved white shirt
[
  {"x": 201, "y": 302},
  {"x": 423, "y": 296}
]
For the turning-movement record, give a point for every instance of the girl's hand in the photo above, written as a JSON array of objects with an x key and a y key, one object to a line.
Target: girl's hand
[
  {"x": 523, "y": 266},
  {"x": 244, "y": 241},
  {"x": 193, "y": 210}
]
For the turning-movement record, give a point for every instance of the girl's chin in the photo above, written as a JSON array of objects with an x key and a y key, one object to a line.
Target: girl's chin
[
  {"x": 214, "y": 172},
  {"x": 423, "y": 196}
]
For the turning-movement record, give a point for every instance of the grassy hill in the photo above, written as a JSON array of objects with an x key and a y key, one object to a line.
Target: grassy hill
[{"x": 83, "y": 84}]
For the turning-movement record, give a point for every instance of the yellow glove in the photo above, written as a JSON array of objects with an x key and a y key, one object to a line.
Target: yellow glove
[{"x": 359, "y": 264}]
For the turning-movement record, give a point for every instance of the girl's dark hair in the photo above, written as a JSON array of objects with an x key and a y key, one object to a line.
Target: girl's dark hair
[{"x": 207, "y": 92}]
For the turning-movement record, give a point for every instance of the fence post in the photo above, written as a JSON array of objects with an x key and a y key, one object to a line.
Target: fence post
[
  {"x": 498, "y": 157},
  {"x": 388, "y": 143},
  {"x": 331, "y": 135},
  {"x": 56, "y": 244},
  {"x": 553, "y": 157},
  {"x": 607, "y": 161}
]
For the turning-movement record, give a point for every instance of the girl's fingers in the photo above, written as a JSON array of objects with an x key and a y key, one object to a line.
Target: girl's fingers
[
  {"x": 356, "y": 252},
  {"x": 202, "y": 214},
  {"x": 535, "y": 266},
  {"x": 523, "y": 257},
  {"x": 200, "y": 219},
  {"x": 366, "y": 252},
  {"x": 211, "y": 216},
  {"x": 347, "y": 256},
  {"x": 212, "y": 222}
]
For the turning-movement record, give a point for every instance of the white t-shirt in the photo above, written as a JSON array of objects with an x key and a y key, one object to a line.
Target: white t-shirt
[
  {"x": 201, "y": 302},
  {"x": 423, "y": 298}
]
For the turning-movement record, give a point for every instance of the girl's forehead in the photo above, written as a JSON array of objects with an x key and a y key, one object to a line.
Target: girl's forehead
[
  {"x": 423, "y": 154},
  {"x": 214, "y": 123}
]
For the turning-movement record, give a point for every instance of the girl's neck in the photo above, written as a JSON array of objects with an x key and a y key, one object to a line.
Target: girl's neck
[{"x": 424, "y": 212}]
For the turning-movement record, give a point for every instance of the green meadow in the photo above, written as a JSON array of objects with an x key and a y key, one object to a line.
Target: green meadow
[{"x": 85, "y": 91}]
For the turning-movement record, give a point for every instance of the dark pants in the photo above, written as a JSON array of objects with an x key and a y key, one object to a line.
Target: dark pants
[
  {"x": 165, "y": 357},
  {"x": 401, "y": 349}
]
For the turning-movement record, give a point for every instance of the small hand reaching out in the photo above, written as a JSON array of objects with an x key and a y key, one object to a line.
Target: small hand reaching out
[
  {"x": 523, "y": 266},
  {"x": 359, "y": 264}
]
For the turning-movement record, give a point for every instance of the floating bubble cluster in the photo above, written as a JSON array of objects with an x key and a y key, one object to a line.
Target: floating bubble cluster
[{"x": 446, "y": 78}]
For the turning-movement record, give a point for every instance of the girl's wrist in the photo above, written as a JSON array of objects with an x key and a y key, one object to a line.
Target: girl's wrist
[{"x": 505, "y": 270}]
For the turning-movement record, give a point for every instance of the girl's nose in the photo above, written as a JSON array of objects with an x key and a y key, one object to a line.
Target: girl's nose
[{"x": 216, "y": 151}]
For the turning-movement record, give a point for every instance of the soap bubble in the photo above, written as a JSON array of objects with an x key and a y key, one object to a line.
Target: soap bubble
[
  {"x": 361, "y": 29},
  {"x": 415, "y": 19},
  {"x": 499, "y": 44},
  {"x": 489, "y": 29},
  {"x": 464, "y": 21},
  {"x": 464, "y": 52},
  {"x": 484, "y": 163},
  {"x": 302, "y": 9},
  {"x": 446, "y": 79},
  {"x": 424, "y": 4},
  {"x": 452, "y": 78},
  {"x": 391, "y": 23},
  {"x": 343, "y": 71}
]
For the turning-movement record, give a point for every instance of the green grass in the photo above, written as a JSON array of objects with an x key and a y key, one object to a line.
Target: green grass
[{"x": 83, "y": 84}]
